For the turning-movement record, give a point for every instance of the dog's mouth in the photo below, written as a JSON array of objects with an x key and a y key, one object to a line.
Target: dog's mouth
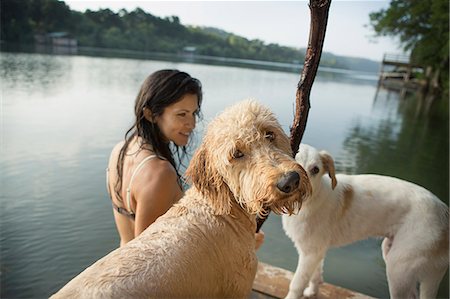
[{"x": 288, "y": 205}]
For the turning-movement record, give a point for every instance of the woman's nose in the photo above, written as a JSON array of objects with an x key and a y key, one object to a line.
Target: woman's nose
[{"x": 191, "y": 122}]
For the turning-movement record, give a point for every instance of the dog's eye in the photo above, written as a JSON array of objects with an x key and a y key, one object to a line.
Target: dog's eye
[
  {"x": 315, "y": 170},
  {"x": 237, "y": 154},
  {"x": 270, "y": 135}
]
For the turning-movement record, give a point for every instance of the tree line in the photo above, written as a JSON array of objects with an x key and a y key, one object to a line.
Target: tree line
[
  {"x": 141, "y": 31},
  {"x": 421, "y": 26},
  {"x": 134, "y": 30}
]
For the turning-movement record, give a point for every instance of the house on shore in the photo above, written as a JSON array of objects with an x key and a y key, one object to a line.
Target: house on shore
[
  {"x": 57, "y": 39},
  {"x": 56, "y": 43}
]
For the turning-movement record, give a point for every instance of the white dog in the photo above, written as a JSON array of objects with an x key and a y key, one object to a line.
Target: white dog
[{"x": 345, "y": 208}]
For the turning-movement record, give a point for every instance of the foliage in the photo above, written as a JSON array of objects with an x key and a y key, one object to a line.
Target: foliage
[
  {"x": 142, "y": 31},
  {"x": 423, "y": 29}
]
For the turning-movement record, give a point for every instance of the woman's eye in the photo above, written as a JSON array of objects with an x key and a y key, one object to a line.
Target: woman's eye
[
  {"x": 315, "y": 170},
  {"x": 270, "y": 135},
  {"x": 182, "y": 114},
  {"x": 237, "y": 154}
]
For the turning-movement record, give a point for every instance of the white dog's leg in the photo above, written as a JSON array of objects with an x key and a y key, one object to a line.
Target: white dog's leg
[
  {"x": 402, "y": 281},
  {"x": 306, "y": 266},
  {"x": 316, "y": 280},
  {"x": 429, "y": 286}
]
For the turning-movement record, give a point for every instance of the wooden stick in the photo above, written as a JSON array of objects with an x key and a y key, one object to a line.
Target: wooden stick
[{"x": 319, "y": 19}]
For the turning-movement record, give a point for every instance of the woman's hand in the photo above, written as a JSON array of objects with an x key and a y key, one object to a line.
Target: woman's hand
[{"x": 259, "y": 239}]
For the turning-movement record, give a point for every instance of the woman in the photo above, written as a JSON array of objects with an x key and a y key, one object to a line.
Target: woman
[{"x": 143, "y": 179}]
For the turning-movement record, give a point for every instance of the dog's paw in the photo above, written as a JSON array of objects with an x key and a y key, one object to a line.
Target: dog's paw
[{"x": 310, "y": 292}]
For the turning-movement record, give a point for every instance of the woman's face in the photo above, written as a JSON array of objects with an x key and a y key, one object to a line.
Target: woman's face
[{"x": 178, "y": 120}]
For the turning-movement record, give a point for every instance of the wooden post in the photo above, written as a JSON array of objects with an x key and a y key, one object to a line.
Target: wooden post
[{"x": 318, "y": 25}]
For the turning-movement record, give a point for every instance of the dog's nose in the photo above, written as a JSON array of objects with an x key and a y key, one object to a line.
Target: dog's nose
[{"x": 288, "y": 182}]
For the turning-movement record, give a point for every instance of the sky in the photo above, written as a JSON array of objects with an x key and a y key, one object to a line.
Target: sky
[{"x": 283, "y": 22}]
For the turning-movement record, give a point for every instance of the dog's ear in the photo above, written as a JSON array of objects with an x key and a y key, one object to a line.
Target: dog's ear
[
  {"x": 209, "y": 182},
  {"x": 328, "y": 164}
]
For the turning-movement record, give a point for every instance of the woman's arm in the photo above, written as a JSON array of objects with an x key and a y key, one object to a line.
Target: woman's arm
[
  {"x": 259, "y": 239},
  {"x": 155, "y": 192}
]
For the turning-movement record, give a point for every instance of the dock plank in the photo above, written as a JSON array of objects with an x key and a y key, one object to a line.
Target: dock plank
[{"x": 273, "y": 282}]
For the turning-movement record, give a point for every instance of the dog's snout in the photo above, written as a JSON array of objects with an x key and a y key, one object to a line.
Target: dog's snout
[{"x": 288, "y": 182}]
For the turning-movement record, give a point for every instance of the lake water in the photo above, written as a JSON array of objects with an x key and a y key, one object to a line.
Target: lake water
[{"x": 61, "y": 115}]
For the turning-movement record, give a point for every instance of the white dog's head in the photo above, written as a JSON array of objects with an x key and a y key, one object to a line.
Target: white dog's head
[
  {"x": 316, "y": 163},
  {"x": 245, "y": 157}
]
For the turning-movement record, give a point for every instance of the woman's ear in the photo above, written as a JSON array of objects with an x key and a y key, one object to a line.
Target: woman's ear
[{"x": 148, "y": 114}]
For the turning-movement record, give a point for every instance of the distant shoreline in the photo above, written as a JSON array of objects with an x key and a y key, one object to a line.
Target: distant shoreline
[{"x": 294, "y": 67}]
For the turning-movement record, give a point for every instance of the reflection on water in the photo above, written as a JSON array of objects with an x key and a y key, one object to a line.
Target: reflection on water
[
  {"x": 405, "y": 143},
  {"x": 61, "y": 115}
]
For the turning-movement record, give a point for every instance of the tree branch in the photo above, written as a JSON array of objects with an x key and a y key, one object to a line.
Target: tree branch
[
  {"x": 318, "y": 25},
  {"x": 319, "y": 19}
]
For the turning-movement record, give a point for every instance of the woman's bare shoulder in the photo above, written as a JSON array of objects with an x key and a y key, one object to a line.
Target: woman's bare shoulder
[
  {"x": 115, "y": 152},
  {"x": 118, "y": 147},
  {"x": 158, "y": 169},
  {"x": 157, "y": 180}
]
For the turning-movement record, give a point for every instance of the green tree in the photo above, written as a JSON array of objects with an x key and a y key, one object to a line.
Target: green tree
[
  {"x": 20, "y": 20},
  {"x": 423, "y": 29},
  {"x": 15, "y": 23}
]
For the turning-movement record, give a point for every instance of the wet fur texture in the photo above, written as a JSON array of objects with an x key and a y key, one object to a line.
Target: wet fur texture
[
  {"x": 204, "y": 246},
  {"x": 346, "y": 208}
]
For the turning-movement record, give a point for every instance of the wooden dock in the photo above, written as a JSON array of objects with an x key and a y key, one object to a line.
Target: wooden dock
[
  {"x": 273, "y": 282},
  {"x": 399, "y": 72}
]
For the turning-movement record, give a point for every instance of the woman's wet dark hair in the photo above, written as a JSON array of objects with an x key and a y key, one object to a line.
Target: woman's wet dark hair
[{"x": 159, "y": 90}]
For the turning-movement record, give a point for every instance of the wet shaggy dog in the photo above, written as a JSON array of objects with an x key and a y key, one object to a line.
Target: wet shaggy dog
[
  {"x": 204, "y": 246},
  {"x": 346, "y": 208}
]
